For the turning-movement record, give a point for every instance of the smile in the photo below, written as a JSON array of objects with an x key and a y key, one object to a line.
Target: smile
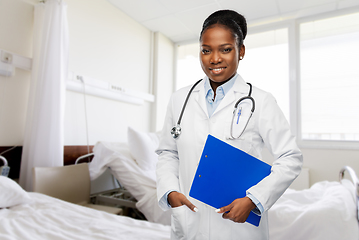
[{"x": 217, "y": 70}]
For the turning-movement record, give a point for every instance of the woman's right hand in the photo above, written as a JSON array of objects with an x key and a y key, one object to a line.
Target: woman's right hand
[{"x": 176, "y": 199}]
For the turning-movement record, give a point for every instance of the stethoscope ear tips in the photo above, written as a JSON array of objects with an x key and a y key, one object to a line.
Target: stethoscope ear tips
[{"x": 176, "y": 131}]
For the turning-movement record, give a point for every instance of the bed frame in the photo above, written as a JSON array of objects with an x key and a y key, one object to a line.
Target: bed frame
[
  {"x": 118, "y": 197},
  {"x": 355, "y": 181},
  {"x": 71, "y": 153}
]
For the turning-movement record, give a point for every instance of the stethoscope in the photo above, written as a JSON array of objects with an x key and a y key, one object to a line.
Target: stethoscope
[{"x": 237, "y": 113}]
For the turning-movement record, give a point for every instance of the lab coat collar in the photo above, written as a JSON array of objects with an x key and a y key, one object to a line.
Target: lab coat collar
[
  {"x": 240, "y": 86},
  {"x": 201, "y": 96},
  {"x": 239, "y": 89}
]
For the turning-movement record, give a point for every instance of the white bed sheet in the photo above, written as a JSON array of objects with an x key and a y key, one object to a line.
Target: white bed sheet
[
  {"x": 49, "y": 218},
  {"x": 327, "y": 211}
]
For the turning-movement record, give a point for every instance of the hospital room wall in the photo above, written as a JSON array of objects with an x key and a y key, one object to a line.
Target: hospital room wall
[
  {"x": 324, "y": 164},
  {"x": 162, "y": 78},
  {"x": 105, "y": 44},
  {"x": 16, "y": 19}
]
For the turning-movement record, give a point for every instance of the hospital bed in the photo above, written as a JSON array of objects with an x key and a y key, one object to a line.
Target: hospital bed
[
  {"x": 327, "y": 210},
  {"x": 35, "y": 216}
]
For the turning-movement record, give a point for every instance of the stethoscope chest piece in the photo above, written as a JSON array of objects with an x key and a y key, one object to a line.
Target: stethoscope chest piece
[{"x": 176, "y": 131}]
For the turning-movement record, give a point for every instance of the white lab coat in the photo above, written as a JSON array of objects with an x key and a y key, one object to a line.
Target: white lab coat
[{"x": 178, "y": 159}]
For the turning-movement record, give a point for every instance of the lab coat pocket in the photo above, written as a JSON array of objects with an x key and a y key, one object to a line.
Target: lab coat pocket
[
  {"x": 244, "y": 142},
  {"x": 182, "y": 219}
]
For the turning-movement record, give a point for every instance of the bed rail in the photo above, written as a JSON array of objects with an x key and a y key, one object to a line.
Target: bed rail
[
  {"x": 4, "y": 160},
  {"x": 4, "y": 170},
  {"x": 355, "y": 181},
  {"x": 83, "y": 156}
]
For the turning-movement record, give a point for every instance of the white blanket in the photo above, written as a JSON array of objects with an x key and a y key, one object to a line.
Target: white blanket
[
  {"x": 49, "y": 218},
  {"x": 325, "y": 211}
]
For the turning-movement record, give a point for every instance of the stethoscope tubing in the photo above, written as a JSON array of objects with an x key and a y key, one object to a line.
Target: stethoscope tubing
[
  {"x": 235, "y": 108},
  {"x": 231, "y": 132},
  {"x": 244, "y": 98},
  {"x": 176, "y": 130},
  {"x": 185, "y": 103}
]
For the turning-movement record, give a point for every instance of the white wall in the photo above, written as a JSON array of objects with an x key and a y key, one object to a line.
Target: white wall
[
  {"x": 324, "y": 164},
  {"x": 105, "y": 44},
  {"x": 16, "y": 19},
  {"x": 163, "y": 77}
]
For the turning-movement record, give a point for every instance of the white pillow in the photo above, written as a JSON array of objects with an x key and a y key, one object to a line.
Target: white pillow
[
  {"x": 11, "y": 194},
  {"x": 142, "y": 146},
  {"x": 139, "y": 182}
]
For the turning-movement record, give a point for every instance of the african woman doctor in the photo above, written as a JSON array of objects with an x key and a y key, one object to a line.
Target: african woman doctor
[{"x": 209, "y": 111}]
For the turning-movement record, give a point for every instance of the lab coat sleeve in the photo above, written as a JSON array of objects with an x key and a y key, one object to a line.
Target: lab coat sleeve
[
  {"x": 275, "y": 132},
  {"x": 167, "y": 170}
]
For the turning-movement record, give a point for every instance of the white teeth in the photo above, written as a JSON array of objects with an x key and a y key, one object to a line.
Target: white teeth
[{"x": 217, "y": 69}]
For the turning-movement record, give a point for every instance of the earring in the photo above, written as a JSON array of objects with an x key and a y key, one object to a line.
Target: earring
[{"x": 240, "y": 57}]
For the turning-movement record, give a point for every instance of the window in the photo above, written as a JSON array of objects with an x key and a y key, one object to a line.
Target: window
[
  {"x": 329, "y": 78},
  {"x": 265, "y": 64},
  {"x": 189, "y": 68}
]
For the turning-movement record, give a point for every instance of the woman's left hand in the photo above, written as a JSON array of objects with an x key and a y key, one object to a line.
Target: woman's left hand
[{"x": 238, "y": 210}]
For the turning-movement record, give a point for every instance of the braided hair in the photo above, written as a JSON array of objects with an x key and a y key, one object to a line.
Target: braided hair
[{"x": 230, "y": 19}]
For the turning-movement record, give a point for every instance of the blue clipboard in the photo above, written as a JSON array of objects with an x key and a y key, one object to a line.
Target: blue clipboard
[{"x": 225, "y": 173}]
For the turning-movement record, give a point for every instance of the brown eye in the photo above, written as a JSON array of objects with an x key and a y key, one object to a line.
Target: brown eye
[
  {"x": 205, "y": 51},
  {"x": 227, "y": 50}
]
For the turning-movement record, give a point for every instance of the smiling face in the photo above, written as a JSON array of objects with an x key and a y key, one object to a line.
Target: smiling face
[{"x": 220, "y": 54}]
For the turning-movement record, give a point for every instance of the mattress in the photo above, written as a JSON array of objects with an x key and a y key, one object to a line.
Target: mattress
[{"x": 44, "y": 217}]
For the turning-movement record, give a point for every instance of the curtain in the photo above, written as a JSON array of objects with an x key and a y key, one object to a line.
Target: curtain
[{"x": 43, "y": 138}]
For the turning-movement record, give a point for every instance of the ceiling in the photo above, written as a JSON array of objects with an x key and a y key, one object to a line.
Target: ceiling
[{"x": 181, "y": 20}]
